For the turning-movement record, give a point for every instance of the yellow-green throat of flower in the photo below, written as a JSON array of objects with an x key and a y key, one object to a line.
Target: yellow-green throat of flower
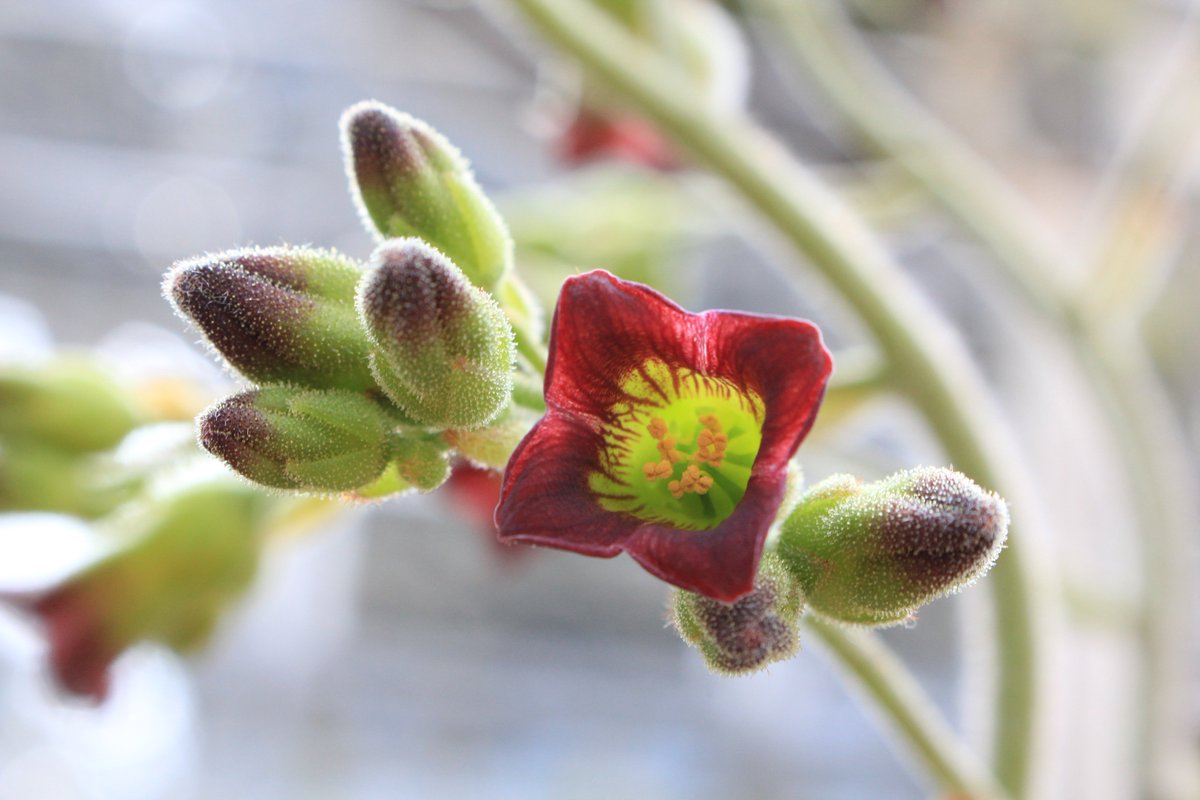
[{"x": 679, "y": 450}]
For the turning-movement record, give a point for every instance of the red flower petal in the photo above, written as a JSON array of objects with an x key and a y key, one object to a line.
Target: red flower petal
[{"x": 606, "y": 329}]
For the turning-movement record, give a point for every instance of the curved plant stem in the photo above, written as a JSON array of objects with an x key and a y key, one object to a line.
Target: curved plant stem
[
  {"x": 887, "y": 119},
  {"x": 917, "y": 721},
  {"x": 1152, "y": 444},
  {"x": 924, "y": 356}
]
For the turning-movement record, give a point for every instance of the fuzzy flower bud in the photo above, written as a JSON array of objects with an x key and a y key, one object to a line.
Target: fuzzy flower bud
[
  {"x": 278, "y": 314},
  {"x": 307, "y": 439},
  {"x": 409, "y": 181},
  {"x": 70, "y": 405},
  {"x": 872, "y": 554},
  {"x": 443, "y": 350},
  {"x": 748, "y": 634}
]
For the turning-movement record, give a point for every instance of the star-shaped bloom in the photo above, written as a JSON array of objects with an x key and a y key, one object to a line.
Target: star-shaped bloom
[{"x": 667, "y": 434}]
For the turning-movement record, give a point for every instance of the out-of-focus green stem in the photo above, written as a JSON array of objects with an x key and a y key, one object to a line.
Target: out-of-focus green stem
[
  {"x": 953, "y": 767},
  {"x": 529, "y": 346},
  {"x": 887, "y": 118},
  {"x": 925, "y": 356}
]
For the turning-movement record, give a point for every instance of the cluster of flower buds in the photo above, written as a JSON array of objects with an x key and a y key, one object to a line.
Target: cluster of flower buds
[
  {"x": 367, "y": 374},
  {"x": 666, "y": 435}
]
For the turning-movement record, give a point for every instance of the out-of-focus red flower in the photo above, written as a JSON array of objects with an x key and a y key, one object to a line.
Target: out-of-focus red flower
[
  {"x": 80, "y": 650},
  {"x": 667, "y": 434},
  {"x": 591, "y": 136},
  {"x": 474, "y": 492}
]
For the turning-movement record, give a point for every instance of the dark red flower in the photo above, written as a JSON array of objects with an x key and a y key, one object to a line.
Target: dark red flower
[{"x": 667, "y": 434}]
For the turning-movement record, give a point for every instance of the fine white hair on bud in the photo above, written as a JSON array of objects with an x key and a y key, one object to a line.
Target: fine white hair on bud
[
  {"x": 408, "y": 180},
  {"x": 313, "y": 440},
  {"x": 748, "y": 634},
  {"x": 873, "y": 553},
  {"x": 278, "y": 314},
  {"x": 442, "y": 350}
]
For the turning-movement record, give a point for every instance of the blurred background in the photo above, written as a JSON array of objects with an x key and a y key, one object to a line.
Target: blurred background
[{"x": 400, "y": 652}]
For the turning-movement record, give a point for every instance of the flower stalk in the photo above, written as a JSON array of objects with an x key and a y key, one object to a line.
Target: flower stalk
[
  {"x": 928, "y": 362},
  {"x": 907, "y": 710}
]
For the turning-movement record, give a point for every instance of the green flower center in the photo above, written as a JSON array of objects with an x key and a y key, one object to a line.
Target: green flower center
[{"x": 679, "y": 449}]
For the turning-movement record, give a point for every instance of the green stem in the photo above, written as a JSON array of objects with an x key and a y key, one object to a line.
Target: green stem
[
  {"x": 1152, "y": 444},
  {"x": 908, "y": 710},
  {"x": 886, "y": 118},
  {"x": 924, "y": 355},
  {"x": 530, "y": 346}
]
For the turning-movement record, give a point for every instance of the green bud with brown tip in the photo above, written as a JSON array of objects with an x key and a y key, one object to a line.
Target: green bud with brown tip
[
  {"x": 748, "y": 634},
  {"x": 322, "y": 440},
  {"x": 409, "y": 181},
  {"x": 277, "y": 314},
  {"x": 872, "y": 554},
  {"x": 443, "y": 349}
]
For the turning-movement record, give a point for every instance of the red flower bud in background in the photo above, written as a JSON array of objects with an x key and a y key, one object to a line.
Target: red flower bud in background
[{"x": 592, "y": 136}]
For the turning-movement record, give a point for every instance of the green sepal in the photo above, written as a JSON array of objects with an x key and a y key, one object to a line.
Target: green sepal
[
  {"x": 492, "y": 445},
  {"x": 422, "y": 463}
]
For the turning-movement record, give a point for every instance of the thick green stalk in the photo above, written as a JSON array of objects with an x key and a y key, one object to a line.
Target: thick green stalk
[
  {"x": 1152, "y": 445},
  {"x": 887, "y": 119},
  {"x": 925, "y": 356},
  {"x": 908, "y": 710}
]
